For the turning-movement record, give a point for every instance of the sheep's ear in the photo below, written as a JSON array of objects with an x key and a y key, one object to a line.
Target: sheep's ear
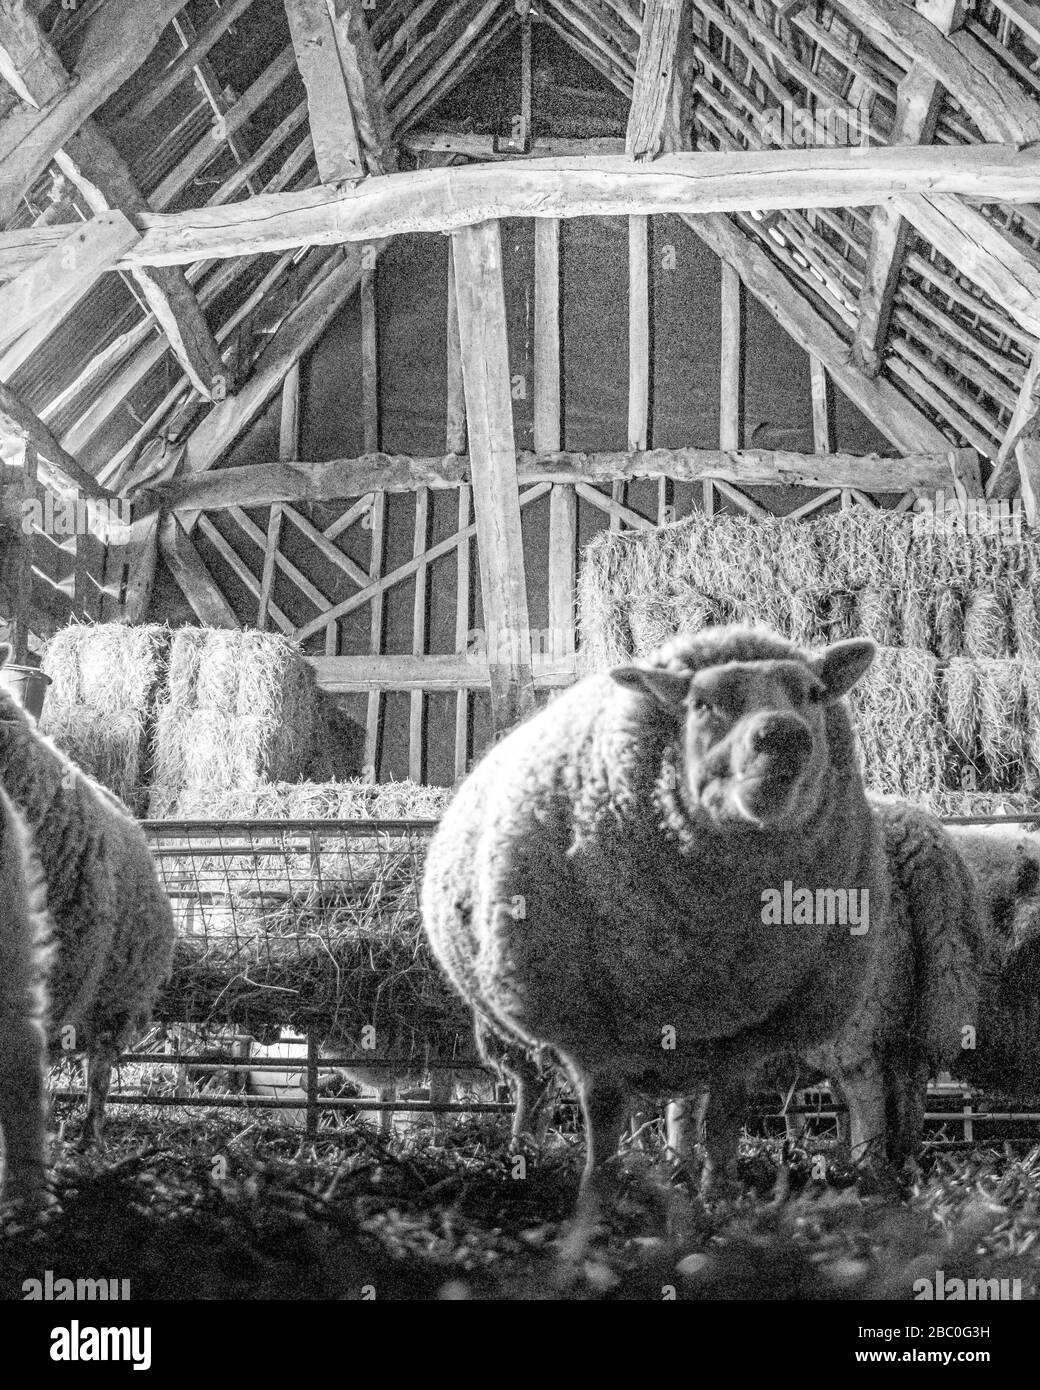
[
  {"x": 666, "y": 687},
  {"x": 841, "y": 666}
]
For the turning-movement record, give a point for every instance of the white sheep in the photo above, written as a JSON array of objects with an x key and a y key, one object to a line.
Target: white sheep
[
  {"x": 23, "y": 952},
  {"x": 595, "y": 888},
  {"x": 113, "y": 929}
]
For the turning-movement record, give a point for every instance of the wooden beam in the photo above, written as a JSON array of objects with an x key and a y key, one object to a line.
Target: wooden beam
[
  {"x": 488, "y": 146},
  {"x": 918, "y": 101},
  {"x": 193, "y": 578},
  {"x": 908, "y": 429},
  {"x": 261, "y": 485},
  {"x": 364, "y": 85},
  {"x": 455, "y": 421},
  {"x": 983, "y": 251},
  {"x": 69, "y": 269},
  {"x": 113, "y": 45},
  {"x": 1024, "y": 424},
  {"x": 732, "y": 356},
  {"x": 142, "y": 551},
  {"x": 563, "y": 504},
  {"x": 296, "y": 336},
  {"x": 638, "y": 332},
  {"x": 659, "y": 116},
  {"x": 96, "y": 168},
  {"x": 403, "y": 572},
  {"x": 94, "y": 164},
  {"x": 959, "y": 62},
  {"x": 341, "y": 675},
  {"x": 702, "y": 182},
  {"x": 823, "y": 428},
  {"x": 336, "y": 146},
  {"x": 28, "y": 424},
  {"x": 489, "y": 409}
]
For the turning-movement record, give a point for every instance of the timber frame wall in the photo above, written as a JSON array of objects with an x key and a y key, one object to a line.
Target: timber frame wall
[{"x": 827, "y": 275}]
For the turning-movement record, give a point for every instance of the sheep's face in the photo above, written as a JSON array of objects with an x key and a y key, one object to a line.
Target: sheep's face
[{"x": 754, "y": 733}]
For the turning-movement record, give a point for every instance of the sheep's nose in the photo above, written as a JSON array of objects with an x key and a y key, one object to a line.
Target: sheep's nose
[{"x": 781, "y": 735}]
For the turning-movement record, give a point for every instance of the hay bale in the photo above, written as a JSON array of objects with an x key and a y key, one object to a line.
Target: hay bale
[
  {"x": 101, "y": 705},
  {"x": 240, "y": 708},
  {"x": 1002, "y": 722},
  {"x": 788, "y": 574},
  {"x": 879, "y": 617},
  {"x": 986, "y": 634},
  {"x": 347, "y": 800},
  {"x": 1025, "y": 619},
  {"x": 897, "y": 723},
  {"x": 948, "y": 623}
]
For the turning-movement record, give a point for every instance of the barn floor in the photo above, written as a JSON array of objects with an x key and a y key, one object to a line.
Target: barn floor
[{"x": 424, "y": 1217}]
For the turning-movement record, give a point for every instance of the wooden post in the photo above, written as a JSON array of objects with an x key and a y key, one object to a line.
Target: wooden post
[
  {"x": 732, "y": 353},
  {"x": 288, "y": 451},
  {"x": 563, "y": 503},
  {"x": 312, "y": 1084},
  {"x": 23, "y": 569},
  {"x": 420, "y": 545},
  {"x": 455, "y": 443},
  {"x": 377, "y": 521},
  {"x": 638, "y": 344},
  {"x": 462, "y": 588},
  {"x": 489, "y": 410},
  {"x": 377, "y": 516}
]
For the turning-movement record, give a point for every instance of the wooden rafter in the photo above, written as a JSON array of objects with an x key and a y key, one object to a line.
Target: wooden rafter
[
  {"x": 659, "y": 116},
  {"x": 879, "y": 400},
  {"x": 337, "y": 147},
  {"x": 96, "y": 168},
  {"x": 917, "y": 111},
  {"x": 114, "y": 44},
  {"x": 969, "y": 72}
]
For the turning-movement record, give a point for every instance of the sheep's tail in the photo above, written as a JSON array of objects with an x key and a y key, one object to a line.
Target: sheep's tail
[
  {"x": 946, "y": 930},
  {"x": 23, "y": 1005}
]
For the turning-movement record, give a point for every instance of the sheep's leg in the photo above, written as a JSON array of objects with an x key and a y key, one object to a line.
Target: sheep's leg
[
  {"x": 22, "y": 1109},
  {"x": 723, "y": 1124},
  {"x": 864, "y": 1091},
  {"x": 684, "y": 1124},
  {"x": 100, "y": 1061},
  {"x": 534, "y": 1093},
  {"x": 909, "y": 1094},
  {"x": 606, "y": 1105}
]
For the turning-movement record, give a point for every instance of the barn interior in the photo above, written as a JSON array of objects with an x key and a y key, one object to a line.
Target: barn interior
[{"x": 372, "y": 371}]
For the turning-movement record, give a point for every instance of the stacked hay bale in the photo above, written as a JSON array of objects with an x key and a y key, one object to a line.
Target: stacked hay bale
[
  {"x": 884, "y": 575},
  {"x": 949, "y": 715},
  {"x": 100, "y": 707},
  {"x": 238, "y": 709}
]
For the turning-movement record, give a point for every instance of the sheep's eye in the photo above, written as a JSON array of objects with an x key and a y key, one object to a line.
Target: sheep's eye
[{"x": 700, "y": 705}]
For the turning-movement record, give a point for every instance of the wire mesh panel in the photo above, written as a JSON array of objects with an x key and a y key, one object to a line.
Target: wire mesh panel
[{"x": 309, "y": 924}]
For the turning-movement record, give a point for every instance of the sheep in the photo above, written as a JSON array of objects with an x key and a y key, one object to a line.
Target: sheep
[
  {"x": 910, "y": 1024},
  {"x": 595, "y": 888},
  {"x": 113, "y": 928},
  {"x": 1005, "y": 1055},
  {"x": 23, "y": 959}
]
